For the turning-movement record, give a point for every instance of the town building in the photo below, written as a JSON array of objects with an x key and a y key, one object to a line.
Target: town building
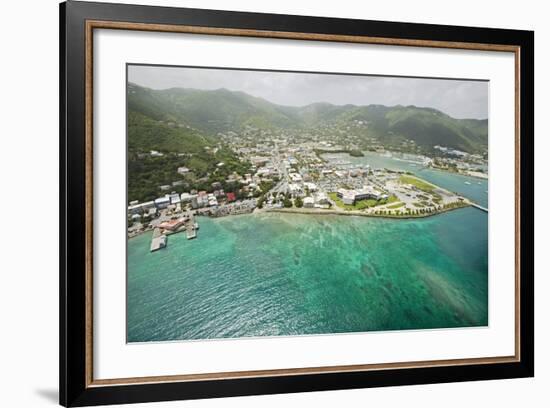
[
  {"x": 162, "y": 202},
  {"x": 175, "y": 198},
  {"x": 186, "y": 197},
  {"x": 310, "y": 186},
  {"x": 349, "y": 197},
  {"x": 212, "y": 200},
  {"x": 172, "y": 225},
  {"x": 321, "y": 198},
  {"x": 295, "y": 189},
  {"x": 138, "y": 208},
  {"x": 309, "y": 202},
  {"x": 202, "y": 199},
  {"x": 295, "y": 177}
]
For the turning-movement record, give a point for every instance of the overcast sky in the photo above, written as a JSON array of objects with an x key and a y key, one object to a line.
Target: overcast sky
[{"x": 458, "y": 98}]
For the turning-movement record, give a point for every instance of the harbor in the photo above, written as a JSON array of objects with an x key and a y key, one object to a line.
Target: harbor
[
  {"x": 186, "y": 223},
  {"x": 411, "y": 197}
]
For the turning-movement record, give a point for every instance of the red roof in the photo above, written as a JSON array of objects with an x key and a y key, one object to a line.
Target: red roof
[{"x": 230, "y": 196}]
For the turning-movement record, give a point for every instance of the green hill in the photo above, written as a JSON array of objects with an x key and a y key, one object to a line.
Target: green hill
[
  {"x": 208, "y": 112},
  {"x": 146, "y": 133},
  {"x": 429, "y": 127}
]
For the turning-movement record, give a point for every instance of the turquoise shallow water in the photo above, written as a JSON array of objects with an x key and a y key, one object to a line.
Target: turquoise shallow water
[{"x": 289, "y": 274}]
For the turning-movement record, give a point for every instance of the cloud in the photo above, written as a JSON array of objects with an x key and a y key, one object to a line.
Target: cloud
[{"x": 458, "y": 98}]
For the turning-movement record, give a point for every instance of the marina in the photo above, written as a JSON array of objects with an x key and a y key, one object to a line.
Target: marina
[{"x": 187, "y": 223}]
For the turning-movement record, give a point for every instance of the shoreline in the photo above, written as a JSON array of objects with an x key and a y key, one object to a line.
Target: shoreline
[
  {"x": 137, "y": 234},
  {"x": 480, "y": 176},
  {"x": 307, "y": 211},
  {"x": 477, "y": 177}
]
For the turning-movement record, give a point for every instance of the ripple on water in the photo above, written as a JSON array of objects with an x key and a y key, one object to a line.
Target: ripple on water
[{"x": 288, "y": 274}]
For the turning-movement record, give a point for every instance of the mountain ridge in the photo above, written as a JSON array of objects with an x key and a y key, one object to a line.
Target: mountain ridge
[{"x": 220, "y": 110}]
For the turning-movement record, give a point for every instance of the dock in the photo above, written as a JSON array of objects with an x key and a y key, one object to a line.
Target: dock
[
  {"x": 158, "y": 241},
  {"x": 479, "y": 207},
  {"x": 174, "y": 226},
  {"x": 191, "y": 227}
]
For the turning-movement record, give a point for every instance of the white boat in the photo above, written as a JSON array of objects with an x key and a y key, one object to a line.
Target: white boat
[{"x": 467, "y": 182}]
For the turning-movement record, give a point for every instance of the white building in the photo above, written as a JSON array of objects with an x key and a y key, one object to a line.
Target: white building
[
  {"x": 294, "y": 188},
  {"x": 175, "y": 198},
  {"x": 310, "y": 186},
  {"x": 140, "y": 208},
  {"x": 321, "y": 198},
  {"x": 183, "y": 170},
  {"x": 264, "y": 172},
  {"x": 259, "y": 160},
  {"x": 162, "y": 202},
  {"x": 295, "y": 177},
  {"x": 309, "y": 202},
  {"x": 212, "y": 200},
  {"x": 186, "y": 197},
  {"x": 202, "y": 199},
  {"x": 349, "y": 197}
]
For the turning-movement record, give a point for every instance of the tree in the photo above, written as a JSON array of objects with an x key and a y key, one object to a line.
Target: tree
[
  {"x": 298, "y": 202},
  {"x": 287, "y": 203},
  {"x": 261, "y": 201}
]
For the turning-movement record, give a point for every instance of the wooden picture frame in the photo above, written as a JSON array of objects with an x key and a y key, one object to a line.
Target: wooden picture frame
[{"x": 78, "y": 20}]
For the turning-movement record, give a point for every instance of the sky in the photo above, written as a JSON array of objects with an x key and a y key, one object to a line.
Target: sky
[{"x": 457, "y": 98}]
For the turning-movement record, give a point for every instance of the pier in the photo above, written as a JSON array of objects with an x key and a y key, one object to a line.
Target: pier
[
  {"x": 191, "y": 227},
  {"x": 186, "y": 223},
  {"x": 158, "y": 241},
  {"x": 479, "y": 207}
]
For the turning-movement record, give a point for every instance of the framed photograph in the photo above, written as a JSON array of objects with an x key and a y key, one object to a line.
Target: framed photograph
[{"x": 256, "y": 203}]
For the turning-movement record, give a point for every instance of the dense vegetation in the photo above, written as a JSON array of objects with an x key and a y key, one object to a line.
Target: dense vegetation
[
  {"x": 354, "y": 152},
  {"x": 180, "y": 147},
  {"x": 209, "y": 111},
  {"x": 146, "y": 134}
]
